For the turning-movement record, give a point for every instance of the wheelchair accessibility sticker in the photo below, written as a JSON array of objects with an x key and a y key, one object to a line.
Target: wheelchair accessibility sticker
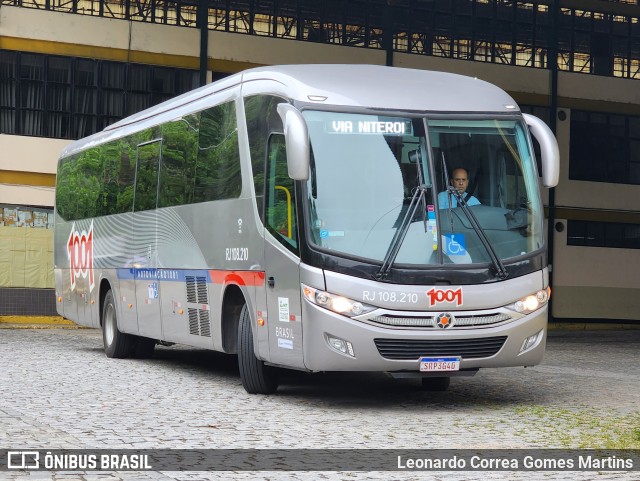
[{"x": 454, "y": 245}]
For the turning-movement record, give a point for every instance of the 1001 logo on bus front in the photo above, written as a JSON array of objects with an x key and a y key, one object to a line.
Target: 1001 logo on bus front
[
  {"x": 437, "y": 296},
  {"x": 80, "y": 254}
]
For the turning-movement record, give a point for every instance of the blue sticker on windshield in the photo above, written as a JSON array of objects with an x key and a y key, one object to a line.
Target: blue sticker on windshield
[
  {"x": 431, "y": 215},
  {"x": 324, "y": 233},
  {"x": 455, "y": 245}
]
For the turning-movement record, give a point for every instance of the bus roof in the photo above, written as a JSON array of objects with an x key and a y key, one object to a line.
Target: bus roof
[
  {"x": 368, "y": 86},
  {"x": 381, "y": 87}
]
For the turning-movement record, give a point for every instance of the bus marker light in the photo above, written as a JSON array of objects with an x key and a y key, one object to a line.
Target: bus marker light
[
  {"x": 260, "y": 322},
  {"x": 180, "y": 311},
  {"x": 59, "y": 299},
  {"x": 531, "y": 341},
  {"x": 322, "y": 298},
  {"x": 129, "y": 306},
  {"x": 340, "y": 345},
  {"x": 543, "y": 295}
]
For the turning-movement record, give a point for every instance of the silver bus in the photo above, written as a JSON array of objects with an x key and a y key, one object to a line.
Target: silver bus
[{"x": 316, "y": 218}]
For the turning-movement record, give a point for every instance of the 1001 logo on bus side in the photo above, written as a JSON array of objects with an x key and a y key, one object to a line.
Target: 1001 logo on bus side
[{"x": 80, "y": 254}]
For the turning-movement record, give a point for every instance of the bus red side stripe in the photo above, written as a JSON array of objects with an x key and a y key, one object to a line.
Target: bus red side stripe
[{"x": 241, "y": 278}]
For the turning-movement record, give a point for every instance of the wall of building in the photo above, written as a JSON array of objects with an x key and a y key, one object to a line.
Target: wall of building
[
  {"x": 60, "y": 33},
  {"x": 594, "y": 282},
  {"x": 28, "y": 169}
]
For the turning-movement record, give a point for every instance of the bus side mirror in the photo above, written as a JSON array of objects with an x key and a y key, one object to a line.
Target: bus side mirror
[
  {"x": 297, "y": 141},
  {"x": 548, "y": 148}
]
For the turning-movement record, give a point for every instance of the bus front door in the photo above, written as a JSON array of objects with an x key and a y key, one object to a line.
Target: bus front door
[{"x": 282, "y": 261}]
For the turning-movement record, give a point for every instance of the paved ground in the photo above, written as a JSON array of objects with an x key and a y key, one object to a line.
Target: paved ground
[{"x": 58, "y": 390}]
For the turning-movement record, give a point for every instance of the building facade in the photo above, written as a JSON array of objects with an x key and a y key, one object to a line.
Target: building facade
[{"x": 68, "y": 69}]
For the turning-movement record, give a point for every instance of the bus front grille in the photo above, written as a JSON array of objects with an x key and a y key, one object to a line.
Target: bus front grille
[
  {"x": 461, "y": 321},
  {"x": 413, "y": 349}
]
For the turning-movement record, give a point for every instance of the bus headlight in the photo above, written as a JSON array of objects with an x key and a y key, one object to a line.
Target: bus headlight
[
  {"x": 340, "y": 304},
  {"x": 532, "y": 302}
]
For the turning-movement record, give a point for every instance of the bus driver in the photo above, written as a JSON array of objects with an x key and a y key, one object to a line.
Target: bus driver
[{"x": 460, "y": 180}]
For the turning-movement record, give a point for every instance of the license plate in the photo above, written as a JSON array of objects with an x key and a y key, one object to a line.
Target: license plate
[{"x": 435, "y": 364}]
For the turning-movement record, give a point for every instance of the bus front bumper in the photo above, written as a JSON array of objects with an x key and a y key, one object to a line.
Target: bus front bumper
[{"x": 369, "y": 347}]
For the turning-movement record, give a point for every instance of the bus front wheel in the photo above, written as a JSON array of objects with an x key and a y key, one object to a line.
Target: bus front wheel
[
  {"x": 257, "y": 378},
  {"x": 116, "y": 343}
]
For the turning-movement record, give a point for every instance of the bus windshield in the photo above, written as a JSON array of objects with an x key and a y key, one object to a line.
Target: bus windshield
[{"x": 366, "y": 169}]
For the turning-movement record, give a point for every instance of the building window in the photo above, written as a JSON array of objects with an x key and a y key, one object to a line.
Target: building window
[
  {"x": 604, "y": 148},
  {"x": 70, "y": 98},
  {"x": 8, "y": 91},
  {"x": 603, "y": 234},
  {"x": 601, "y": 41}
]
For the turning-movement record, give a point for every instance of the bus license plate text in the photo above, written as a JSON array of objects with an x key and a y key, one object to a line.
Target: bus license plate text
[{"x": 431, "y": 364}]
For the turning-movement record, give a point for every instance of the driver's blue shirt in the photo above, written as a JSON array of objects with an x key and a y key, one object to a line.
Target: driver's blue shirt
[{"x": 443, "y": 200}]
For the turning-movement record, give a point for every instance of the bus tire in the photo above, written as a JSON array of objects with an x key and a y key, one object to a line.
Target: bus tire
[
  {"x": 257, "y": 378},
  {"x": 116, "y": 344},
  {"x": 436, "y": 383}
]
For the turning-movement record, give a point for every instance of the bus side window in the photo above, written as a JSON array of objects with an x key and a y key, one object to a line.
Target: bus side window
[
  {"x": 262, "y": 119},
  {"x": 280, "y": 212},
  {"x": 217, "y": 175},
  {"x": 146, "y": 189}
]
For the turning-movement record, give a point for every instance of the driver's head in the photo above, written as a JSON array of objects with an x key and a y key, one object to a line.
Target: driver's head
[{"x": 460, "y": 179}]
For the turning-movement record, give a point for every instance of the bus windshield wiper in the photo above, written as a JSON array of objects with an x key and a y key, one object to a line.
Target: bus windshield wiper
[
  {"x": 500, "y": 269},
  {"x": 394, "y": 247}
]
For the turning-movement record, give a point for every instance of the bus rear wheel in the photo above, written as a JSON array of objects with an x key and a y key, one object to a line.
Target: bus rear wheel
[
  {"x": 257, "y": 378},
  {"x": 116, "y": 343}
]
